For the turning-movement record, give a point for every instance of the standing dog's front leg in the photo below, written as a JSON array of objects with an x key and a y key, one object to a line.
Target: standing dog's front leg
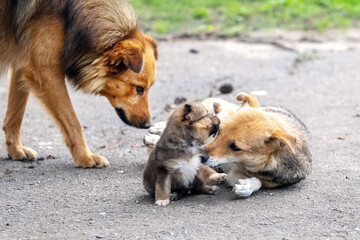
[
  {"x": 49, "y": 86},
  {"x": 162, "y": 188},
  {"x": 18, "y": 97}
]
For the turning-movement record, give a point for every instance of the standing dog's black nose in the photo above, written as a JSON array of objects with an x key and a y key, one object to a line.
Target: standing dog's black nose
[
  {"x": 204, "y": 158},
  {"x": 145, "y": 125}
]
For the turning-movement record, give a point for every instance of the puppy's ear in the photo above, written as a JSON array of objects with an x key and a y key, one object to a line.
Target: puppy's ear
[
  {"x": 187, "y": 111},
  {"x": 279, "y": 139},
  {"x": 125, "y": 54}
]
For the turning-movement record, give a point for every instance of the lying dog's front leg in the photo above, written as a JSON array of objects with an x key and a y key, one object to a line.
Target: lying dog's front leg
[
  {"x": 245, "y": 187},
  {"x": 50, "y": 88},
  {"x": 162, "y": 188}
]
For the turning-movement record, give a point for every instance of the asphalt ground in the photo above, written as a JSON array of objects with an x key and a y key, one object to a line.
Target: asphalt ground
[{"x": 320, "y": 82}]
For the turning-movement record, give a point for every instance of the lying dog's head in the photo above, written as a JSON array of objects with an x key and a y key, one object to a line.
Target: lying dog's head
[
  {"x": 130, "y": 67},
  {"x": 248, "y": 137},
  {"x": 194, "y": 121}
]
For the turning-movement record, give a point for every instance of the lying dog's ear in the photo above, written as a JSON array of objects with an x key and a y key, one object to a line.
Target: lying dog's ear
[
  {"x": 280, "y": 139},
  {"x": 187, "y": 111},
  {"x": 125, "y": 54}
]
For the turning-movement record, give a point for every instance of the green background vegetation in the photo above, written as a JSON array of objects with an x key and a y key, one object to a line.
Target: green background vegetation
[{"x": 232, "y": 17}]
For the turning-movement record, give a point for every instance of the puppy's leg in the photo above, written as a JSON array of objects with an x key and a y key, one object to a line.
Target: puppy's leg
[
  {"x": 209, "y": 175},
  {"x": 199, "y": 187},
  {"x": 50, "y": 88},
  {"x": 162, "y": 189},
  {"x": 245, "y": 187},
  {"x": 248, "y": 99},
  {"x": 18, "y": 97}
]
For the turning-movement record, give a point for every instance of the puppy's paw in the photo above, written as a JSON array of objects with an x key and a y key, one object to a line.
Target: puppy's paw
[
  {"x": 90, "y": 161},
  {"x": 21, "y": 153},
  {"x": 217, "y": 178},
  {"x": 213, "y": 189},
  {"x": 162, "y": 203},
  {"x": 245, "y": 187},
  {"x": 157, "y": 128},
  {"x": 150, "y": 140}
]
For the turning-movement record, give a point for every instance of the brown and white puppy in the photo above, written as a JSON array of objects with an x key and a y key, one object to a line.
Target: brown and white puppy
[
  {"x": 95, "y": 44},
  {"x": 264, "y": 147},
  {"x": 174, "y": 165}
]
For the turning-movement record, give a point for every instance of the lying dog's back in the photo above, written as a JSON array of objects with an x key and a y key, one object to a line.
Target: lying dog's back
[{"x": 295, "y": 166}]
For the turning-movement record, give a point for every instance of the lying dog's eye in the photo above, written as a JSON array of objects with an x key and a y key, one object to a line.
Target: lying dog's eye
[
  {"x": 233, "y": 147},
  {"x": 139, "y": 90}
]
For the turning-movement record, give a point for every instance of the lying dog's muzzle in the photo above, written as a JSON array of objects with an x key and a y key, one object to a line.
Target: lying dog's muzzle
[{"x": 123, "y": 117}]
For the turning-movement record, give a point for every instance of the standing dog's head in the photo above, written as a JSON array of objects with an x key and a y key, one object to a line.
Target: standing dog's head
[
  {"x": 248, "y": 137},
  {"x": 131, "y": 66}
]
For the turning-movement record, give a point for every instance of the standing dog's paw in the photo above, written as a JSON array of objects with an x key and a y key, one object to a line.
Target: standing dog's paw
[
  {"x": 245, "y": 187},
  {"x": 90, "y": 161},
  {"x": 22, "y": 153},
  {"x": 217, "y": 178},
  {"x": 162, "y": 203}
]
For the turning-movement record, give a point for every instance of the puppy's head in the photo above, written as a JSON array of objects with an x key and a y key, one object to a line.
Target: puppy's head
[
  {"x": 248, "y": 137},
  {"x": 195, "y": 121},
  {"x": 130, "y": 69}
]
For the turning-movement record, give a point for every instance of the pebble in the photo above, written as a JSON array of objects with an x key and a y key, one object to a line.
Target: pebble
[{"x": 226, "y": 88}]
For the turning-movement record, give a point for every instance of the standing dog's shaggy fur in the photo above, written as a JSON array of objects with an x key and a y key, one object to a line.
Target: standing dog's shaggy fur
[
  {"x": 95, "y": 44},
  {"x": 265, "y": 147},
  {"x": 174, "y": 165}
]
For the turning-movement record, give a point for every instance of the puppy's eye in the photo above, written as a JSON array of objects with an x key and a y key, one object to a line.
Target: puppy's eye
[
  {"x": 139, "y": 90},
  {"x": 234, "y": 148}
]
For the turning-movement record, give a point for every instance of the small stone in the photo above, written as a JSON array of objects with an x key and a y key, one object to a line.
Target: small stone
[
  {"x": 50, "y": 157},
  {"x": 341, "y": 138},
  {"x": 194, "y": 51},
  {"x": 226, "y": 88}
]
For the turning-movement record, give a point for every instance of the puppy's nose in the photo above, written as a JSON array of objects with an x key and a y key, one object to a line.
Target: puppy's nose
[
  {"x": 204, "y": 158},
  {"x": 145, "y": 125}
]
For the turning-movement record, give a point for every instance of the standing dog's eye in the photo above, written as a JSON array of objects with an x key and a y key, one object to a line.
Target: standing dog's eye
[
  {"x": 139, "y": 90},
  {"x": 233, "y": 147}
]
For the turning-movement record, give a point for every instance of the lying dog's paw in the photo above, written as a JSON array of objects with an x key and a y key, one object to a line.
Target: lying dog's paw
[
  {"x": 89, "y": 161},
  {"x": 162, "y": 203},
  {"x": 157, "y": 128},
  {"x": 150, "y": 140},
  {"x": 217, "y": 178},
  {"x": 245, "y": 187}
]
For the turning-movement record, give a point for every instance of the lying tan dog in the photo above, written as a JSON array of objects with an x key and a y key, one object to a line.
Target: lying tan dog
[
  {"x": 265, "y": 147},
  {"x": 95, "y": 44},
  {"x": 174, "y": 165}
]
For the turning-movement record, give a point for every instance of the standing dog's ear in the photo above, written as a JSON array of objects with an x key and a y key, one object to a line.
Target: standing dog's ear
[
  {"x": 125, "y": 54},
  {"x": 280, "y": 139}
]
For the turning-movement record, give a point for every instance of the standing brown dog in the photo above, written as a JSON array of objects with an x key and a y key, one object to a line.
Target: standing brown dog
[
  {"x": 95, "y": 44},
  {"x": 174, "y": 165}
]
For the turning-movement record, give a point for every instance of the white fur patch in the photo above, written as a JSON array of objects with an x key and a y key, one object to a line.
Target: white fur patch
[
  {"x": 188, "y": 170},
  {"x": 245, "y": 187}
]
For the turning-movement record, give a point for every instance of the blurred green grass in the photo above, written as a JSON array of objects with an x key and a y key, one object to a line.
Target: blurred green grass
[{"x": 231, "y": 17}]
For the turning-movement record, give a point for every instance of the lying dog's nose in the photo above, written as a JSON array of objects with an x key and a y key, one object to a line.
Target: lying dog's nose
[
  {"x": 204, "y": 158},
  {"x": 145, "y": 125}
]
